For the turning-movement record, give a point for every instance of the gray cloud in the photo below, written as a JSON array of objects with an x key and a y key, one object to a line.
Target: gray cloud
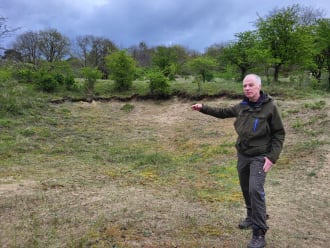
[{"x": 193, "y": 24}]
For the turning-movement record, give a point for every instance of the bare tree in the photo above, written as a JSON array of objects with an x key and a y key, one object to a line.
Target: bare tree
[
  {"x": 141, "y": 53},
  {"x": 85, "y": 46},
  {"x": 309, "y": 16},
  {"x": 27, "y": 45},
  {"x": 53, "y": 45},
  {"x": 101, "y": 47},
  {"x": 5, "y": 31}
]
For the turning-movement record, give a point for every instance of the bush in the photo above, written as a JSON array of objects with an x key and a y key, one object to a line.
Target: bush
[
  {"x": 209, "y": 76},
  {"x": 122, "y": 69},
  {"x": 24, "y": 76},
  {"x": 14, "y": 100},
  {"x": 59, "y": 78},
  {"x": 158, "y": 83},
  {"x": 69, "y": 82},
  {"x": 90, "y": 75},
  {"x": 46, "y": 83},
  {"x": 4, "y": 75}
]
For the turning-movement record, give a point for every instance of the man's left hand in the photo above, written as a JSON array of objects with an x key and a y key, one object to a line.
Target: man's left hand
[{"x": 268, "y": 165}]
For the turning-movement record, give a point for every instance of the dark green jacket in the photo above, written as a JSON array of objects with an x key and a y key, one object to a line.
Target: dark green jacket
[{"x": 258, "y": 125}]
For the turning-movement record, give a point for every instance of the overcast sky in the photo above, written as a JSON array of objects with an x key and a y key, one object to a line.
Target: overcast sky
[{"x": 195, "y": 24}]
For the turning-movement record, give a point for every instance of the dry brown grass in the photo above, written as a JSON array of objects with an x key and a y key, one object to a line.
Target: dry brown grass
[{"x": 175, "y": 186}]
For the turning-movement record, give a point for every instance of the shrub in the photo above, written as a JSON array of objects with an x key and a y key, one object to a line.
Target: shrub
[
  {"x": 122, "y": 69},
  {"x": 158, "y": 83},
  {"x": 14, "y": 100},
  {"x": 4, "y": 75},
  {"x": 91, "y": 75},
  {"x": 170, "y": 71},
  {"x": 59, "y": 78},
  {"x": 69, "y": 82},
  {"x": 209, "y": 76},
  {"x": 46, "y": 82},
  {"x": 24, "y": 76}
]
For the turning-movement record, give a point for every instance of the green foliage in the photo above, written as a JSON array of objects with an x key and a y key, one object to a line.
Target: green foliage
[
  {"x": 17, "y": 99},
  {"x": 285, "y": 37},
  {"x": 59, "y": 78},
  {"x": 122, "y": 69},
  {"x": 170, "y": 71},
  {"x": 204, "y": 67},
  {"x": 170, "y": 60},
  {"x": 158, "y": 83},
  {"x": 322, "y": 50},
  {"x": 9, "y": 98},
  {"x": 90, "y": 75},
  {"x": 5, "y": 75},
  {"x": 198, "y": 81},
  {"x": 69, "y": 82},
  {"x": 245, "y": 53},
  {"x": 127, "y": 107},
  {"x": 162, "y": 58},
  {"x": 46, "y": 82},
  {"x": 24, "y": 75}
]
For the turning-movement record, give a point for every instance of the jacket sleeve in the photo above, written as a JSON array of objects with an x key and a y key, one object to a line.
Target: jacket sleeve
[
  {"x": 220, "y": 112},
  {"x": 277, "y": 135}
]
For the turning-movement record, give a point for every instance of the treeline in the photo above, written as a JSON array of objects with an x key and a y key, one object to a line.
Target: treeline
[{"x": 286, "y": 40}]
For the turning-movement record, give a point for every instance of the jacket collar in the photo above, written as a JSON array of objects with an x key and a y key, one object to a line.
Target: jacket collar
[{"x": 264, "y": 98}]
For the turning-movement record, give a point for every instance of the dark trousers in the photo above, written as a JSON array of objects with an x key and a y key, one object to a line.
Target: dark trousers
[{"x": 252, "y": 179}]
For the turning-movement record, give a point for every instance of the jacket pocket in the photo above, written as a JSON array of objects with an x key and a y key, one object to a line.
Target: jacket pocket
[
  {"x": 257, "y": 147},
  {"x": 259, "y": 127}
]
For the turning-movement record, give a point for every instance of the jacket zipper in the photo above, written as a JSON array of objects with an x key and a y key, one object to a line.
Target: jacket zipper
[{"x": 256, "y": 122}]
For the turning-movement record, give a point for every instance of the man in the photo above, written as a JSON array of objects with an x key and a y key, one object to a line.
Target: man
[{"x": 259, "y": 143}]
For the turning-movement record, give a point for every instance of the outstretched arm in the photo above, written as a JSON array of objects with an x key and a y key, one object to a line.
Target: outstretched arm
[
  {"x": 216, "y": 111},
  {"x": 197, "y": 106}
]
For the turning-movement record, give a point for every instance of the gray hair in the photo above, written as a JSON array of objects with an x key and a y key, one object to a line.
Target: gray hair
[{"x": 255, "y": 76}]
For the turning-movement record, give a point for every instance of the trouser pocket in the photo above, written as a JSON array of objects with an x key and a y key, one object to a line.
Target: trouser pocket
[{"x": 257, "y": 192}]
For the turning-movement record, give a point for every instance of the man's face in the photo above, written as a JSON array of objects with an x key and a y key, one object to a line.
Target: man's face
[{"x": 251, "y": 89}]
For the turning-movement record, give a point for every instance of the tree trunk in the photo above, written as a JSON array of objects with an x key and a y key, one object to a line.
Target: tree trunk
[
  {"x": 243, "y": 72},
  {"x": 267, "y": 74},
  {"x": 276, "y": 72},
  {"x": 317, "y": 75}
]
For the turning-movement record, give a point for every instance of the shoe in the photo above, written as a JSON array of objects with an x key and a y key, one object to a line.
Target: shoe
[
  {"x": 245, "y": 224},
  {"x": 258, "y": 239}
]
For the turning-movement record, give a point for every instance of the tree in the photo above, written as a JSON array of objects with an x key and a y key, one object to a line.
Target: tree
[
  {"x": 85, "y": 44},
  {"x": 216, "y": 51},
  {"x": 286, "y": 38},
  {"x": 180, "y": 58},
  {"x": 13, "y": 55},
  {"x": 27, "y": 44},
  {"x": 203, "y": 66},
  {"x": 141, "y": 54},
  {"x": 122, "y": 69},
  {"x": 53, "y": 45},
  {"x": 90, "y": 75},
  {"x": 5, "y": 31},
  {"x": 158, "y": 83},
  {"x": 100, "y": 49},
  {"x": 323, "y": 44},
  {"x": 163, "y": 57},
  {"x": 170, "y": 60},
  {"x": 242, "y": 52}
]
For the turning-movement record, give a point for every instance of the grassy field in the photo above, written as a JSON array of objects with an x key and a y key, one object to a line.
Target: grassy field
[{"x": 155, "y": 174}]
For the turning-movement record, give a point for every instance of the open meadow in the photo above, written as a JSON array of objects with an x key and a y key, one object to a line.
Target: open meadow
[{"x": 155, "y": 174}]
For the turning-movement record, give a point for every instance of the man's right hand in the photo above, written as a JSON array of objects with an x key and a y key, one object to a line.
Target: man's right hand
[{"x": 197, "y": 106}]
